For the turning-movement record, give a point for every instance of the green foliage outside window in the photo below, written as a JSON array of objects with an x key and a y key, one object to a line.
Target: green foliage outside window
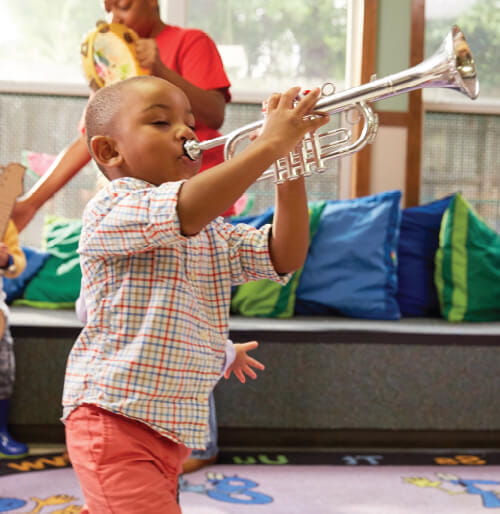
[{"x": 481, "y": 26}]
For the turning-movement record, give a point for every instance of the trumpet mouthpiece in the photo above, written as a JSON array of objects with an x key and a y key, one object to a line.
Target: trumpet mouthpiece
[{"x": 192, "y": 149}]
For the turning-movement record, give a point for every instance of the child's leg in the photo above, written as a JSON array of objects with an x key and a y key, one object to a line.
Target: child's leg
[
  {"x": 122, "y": 465},
  {"x": 201, "y": 458}
]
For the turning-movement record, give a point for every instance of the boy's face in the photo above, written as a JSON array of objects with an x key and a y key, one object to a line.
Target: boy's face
[
  {"x": 139, "y": 15},
  {"x": 150, "y": 130}
]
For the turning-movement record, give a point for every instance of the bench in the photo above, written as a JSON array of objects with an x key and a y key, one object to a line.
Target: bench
[{"x": 329, "y": 382}]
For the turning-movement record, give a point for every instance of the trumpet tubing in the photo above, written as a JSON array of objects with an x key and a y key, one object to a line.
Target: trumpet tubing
[{"x": 452, "y": 66}]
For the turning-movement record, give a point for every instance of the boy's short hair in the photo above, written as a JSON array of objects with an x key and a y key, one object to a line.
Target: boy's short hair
[{"x": 102, "y": 108}]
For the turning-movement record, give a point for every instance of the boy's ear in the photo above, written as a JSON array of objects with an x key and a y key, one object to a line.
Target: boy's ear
[{"x": 105, "y": 152}]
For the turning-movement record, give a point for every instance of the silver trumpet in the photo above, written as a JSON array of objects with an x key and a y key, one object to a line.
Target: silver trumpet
[{"x": 452, "y": 66}]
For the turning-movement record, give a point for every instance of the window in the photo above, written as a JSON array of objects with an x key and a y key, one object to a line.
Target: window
[
  {"x": 40, "y": 41},
  {"x": 461, "y": 151},
  {"x": 266, "y": 45},
  {"x": 480, "y": 22},
  {"x": 270, "y": 45}
]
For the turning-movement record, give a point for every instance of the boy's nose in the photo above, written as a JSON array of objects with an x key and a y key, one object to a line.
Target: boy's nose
[{"x": 186, "y": 132}]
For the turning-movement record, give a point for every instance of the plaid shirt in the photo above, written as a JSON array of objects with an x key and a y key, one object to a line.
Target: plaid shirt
[{"x": 158, "y": 306}]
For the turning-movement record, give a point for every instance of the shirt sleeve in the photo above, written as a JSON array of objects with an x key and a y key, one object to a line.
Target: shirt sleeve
[
  {"x": 81, "y": 309},
  {"x": 249, "y": 254},
  {"x": 230, "y": 355},
  {"x": 125, "y": 219},
  {"x": 201, "y": 63}
]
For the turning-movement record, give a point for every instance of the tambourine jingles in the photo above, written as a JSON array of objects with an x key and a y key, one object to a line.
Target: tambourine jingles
[{"x": 108, "y": 54}]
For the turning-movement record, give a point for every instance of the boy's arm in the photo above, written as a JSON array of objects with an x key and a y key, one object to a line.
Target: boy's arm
[
  {"x": 206, "y": 195},
  {"x": 289, "y": 239},
  {"x": 68, "y": 163}
]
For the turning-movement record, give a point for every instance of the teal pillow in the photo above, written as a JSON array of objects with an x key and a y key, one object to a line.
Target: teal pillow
[
  {"x": 57, "y": 283},
  {"x": 467, "y": 273},
  {"x": 266, "y": 298}
]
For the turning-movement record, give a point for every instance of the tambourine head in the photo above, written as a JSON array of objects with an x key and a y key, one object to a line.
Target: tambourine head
[{"x": 108, "y": 55}]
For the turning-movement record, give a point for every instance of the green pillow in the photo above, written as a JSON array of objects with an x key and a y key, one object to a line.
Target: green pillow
[
  {"x": 57, "y": 283},
  {"x": 467, "y": 273},
  {"x": 266, "y": 298}
]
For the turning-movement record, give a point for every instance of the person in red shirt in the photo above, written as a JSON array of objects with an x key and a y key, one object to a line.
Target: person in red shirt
[{"x": 189, "y": 59}]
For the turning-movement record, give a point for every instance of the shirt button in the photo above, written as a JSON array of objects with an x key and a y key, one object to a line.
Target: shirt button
[{"x": 204, "y": 335}]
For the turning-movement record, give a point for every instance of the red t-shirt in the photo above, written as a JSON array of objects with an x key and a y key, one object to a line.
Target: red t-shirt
[{"x": 192, "y": 54}]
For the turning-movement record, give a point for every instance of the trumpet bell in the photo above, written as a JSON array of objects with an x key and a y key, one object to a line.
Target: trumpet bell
[
  {"x": 452, "y": 66},
  {"x": 465, "y": 66}
]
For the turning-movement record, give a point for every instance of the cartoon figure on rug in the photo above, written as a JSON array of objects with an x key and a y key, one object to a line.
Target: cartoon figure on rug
[
  {"x": 491, "y": 499},
  {"x": 10, "y": 504},
  {"x": 225, "y": 488},
  {"x": 57, "y": 499}
]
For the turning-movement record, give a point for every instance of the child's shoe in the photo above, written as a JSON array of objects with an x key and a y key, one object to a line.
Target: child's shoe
[{"x": 10, "y": 448}]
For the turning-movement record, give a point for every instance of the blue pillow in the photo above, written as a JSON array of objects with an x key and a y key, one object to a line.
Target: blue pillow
[
  {"x": 255, "y": 220},
  {"x": 418, "y": 243},
  {"x": 35, "y": 259},
  {"x": 351, "y": 267}
]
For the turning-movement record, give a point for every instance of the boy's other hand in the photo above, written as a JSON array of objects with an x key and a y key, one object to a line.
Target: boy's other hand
[{"x": 243, "y": 363}]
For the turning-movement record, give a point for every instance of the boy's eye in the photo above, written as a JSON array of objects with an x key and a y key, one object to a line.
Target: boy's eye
[{"x": 160, "y": 122}]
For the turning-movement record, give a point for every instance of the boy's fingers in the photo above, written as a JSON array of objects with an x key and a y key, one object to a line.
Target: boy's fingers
[
  {"x": 251, "y": 345},
  {"x": 272, "y": 101},
  {"x": 308, "y": 101},
  {"x": 250, "y": 372},
  {"x": 318, "y": 120},
  {"x": 255, "y": 363},
  {"x": 289, "y": 97}
]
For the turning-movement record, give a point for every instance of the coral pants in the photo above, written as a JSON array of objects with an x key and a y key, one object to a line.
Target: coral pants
[{"x": 123, "y": 466}]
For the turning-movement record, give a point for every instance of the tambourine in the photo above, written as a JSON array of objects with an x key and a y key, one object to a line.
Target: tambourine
[{"x": 108, "y": 55}]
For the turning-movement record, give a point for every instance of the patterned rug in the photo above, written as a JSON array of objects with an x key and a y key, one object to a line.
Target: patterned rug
[{"x": 288, "y": 483}]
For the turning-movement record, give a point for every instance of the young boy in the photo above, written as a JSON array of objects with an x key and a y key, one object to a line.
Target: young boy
[
  {"x": 12, "y": 263},
  {"x": 158, "y": 265}
]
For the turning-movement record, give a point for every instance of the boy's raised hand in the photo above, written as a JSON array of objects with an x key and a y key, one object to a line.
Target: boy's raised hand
[
  {"x": 243, "y": 363},
  {"x": 288, "y": 120}
]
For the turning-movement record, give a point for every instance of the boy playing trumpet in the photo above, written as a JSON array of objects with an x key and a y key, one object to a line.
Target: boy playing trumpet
[{"x": 158, "y": 265}]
